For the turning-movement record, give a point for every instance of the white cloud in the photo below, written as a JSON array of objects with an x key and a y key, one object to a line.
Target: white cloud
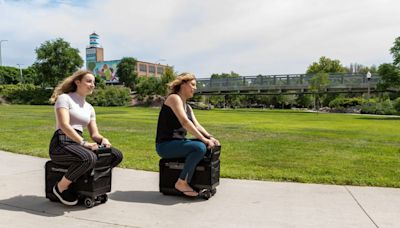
[{"x": 249, "y": 37}]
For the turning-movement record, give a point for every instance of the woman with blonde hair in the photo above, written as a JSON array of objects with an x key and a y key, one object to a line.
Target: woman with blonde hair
[
  {"x": 68, "y": 147},
  {"x": 176, "y": 118}
]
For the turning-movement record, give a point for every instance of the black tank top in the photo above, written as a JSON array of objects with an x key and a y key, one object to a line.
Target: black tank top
[{"x": 169, "y": 127}]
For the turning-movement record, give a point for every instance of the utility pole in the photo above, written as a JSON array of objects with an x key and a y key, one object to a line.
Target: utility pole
[{"x": 1, "y": 61}]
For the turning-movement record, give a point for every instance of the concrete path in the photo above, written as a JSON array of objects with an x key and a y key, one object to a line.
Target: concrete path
[{"x": 136, "y": 202}]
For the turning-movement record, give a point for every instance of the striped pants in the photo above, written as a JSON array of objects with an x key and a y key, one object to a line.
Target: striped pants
[{"x": 65, "y": 152}]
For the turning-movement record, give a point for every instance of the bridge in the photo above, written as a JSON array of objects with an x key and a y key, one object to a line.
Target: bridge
[{"x": 285, "y": 84}]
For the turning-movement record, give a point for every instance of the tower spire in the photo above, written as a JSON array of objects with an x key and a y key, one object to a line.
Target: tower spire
[{"x": 93, "y": 40}]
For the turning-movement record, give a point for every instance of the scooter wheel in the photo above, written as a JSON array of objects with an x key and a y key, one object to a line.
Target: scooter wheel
[
  {"x": 205, "y": 194},
  {"x": 104, "y": 198},
  {"x": 89, "y": 202}
]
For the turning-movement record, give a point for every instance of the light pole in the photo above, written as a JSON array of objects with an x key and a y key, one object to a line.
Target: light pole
[
  {"x": 20, "y": 72},
  {"x": 1, "y": 61},
  {"x": 368, "y": 79}
]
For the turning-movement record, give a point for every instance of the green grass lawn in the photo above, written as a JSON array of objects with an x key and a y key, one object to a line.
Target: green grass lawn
[{"x": 256, "y": 144}]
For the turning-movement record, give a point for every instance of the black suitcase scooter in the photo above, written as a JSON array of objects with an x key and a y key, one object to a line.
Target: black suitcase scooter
[
  {"x": 91, "y": 188},
  {"x": 205, "y": 178}
]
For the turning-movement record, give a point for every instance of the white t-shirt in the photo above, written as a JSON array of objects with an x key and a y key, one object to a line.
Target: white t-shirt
[{"x": 80, "y": 112}]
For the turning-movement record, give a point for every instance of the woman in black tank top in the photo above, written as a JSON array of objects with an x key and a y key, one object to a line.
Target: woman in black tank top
[{"x": 175, "y": 120}]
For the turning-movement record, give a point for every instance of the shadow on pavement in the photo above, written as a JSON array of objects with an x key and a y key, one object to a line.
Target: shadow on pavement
[
  {"x": 37, "y": 205},
  {"x": 152, "y": 197}
]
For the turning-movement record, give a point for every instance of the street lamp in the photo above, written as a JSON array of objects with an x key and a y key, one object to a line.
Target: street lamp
[
  {"x": 1, "y": 62},
  {"x": 20, "y": 72},
  {"x": 368, "y": 79}
]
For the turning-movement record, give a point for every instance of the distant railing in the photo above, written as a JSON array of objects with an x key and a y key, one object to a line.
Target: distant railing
[{"x": 285, "y": 84}]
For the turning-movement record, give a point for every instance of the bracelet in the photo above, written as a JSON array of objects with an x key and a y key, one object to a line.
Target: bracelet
[{"x": 82, "y": 143}]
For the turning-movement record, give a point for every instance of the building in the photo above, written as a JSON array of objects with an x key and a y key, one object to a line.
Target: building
[{"x": 108, "y": 69}]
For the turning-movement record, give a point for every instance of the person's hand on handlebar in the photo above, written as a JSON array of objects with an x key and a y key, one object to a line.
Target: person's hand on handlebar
[
  {"x": 105, "y": 143},
  {"x": 91, "y": 146},
  {"x": 216, "y": 142},
  {"x": 209, "y": 143}
]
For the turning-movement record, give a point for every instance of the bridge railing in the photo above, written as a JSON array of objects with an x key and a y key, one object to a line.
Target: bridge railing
[{"x": 293, "y": 81}]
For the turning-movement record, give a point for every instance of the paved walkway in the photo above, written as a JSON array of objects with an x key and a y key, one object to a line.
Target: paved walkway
[{"x": 136, "y": 202}]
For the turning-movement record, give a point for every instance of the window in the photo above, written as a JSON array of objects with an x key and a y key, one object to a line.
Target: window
[
  {"x": 160, "y": 70},
  {"x": 143, "y": 67},
  {"x": 152, "y": 69}
]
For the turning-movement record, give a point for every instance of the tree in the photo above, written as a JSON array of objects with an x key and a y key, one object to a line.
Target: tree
[
  {"x": 56, "y": 60},
  {"x": 318, "y": 84},
  {"x": 148, "y": 86},
  {"x": 356, "y": 68},
  {"x": 326, "y": 65},
  {"x": 395, "y": 51},
  {"x": 126, "y": 71},
  {"x": 304, "y": 100},
  {"x": 320, "y": 80},
  {"x": 223, "y": 80},
  {"x": 9, "y": 75},
  {"x": 30, "y": 76},
  {"x": 225, "y": 75},
  {"x": 166, "y": 78},
  {"x": 390, "y": 73},
  {"x": 217, "y": 100},
  {"x": 12, "y": 75},
  {"x": 390, "y": 76}
]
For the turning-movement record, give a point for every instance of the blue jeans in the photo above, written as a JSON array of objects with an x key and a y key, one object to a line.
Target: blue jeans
[{"x": 192, "y": 150}]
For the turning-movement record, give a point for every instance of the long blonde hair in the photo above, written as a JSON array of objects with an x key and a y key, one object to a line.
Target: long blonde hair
[
  {"x": 68, "y": 85},
  {"x": 175, "y": 85}
]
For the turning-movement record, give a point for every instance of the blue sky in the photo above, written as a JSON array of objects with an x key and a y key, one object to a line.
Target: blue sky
[{"x": 248, "y": 37}]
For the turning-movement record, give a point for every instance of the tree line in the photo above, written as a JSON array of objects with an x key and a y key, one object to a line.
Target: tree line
[{"x": 56, "y": 59}]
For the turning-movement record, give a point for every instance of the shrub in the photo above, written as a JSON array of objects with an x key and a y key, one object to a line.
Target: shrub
[
  {"x": 385, "y": 107},
  {"x": 25, "y": 94},
  {"x": 110, "y": 96},
  {"x": 341, "y": 102},
  {"x": 396, "y": 104},
  {"x": 369, "y": 107}
]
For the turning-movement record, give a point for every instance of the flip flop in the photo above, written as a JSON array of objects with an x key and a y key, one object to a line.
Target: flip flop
[{"x": 184, "y": 193}]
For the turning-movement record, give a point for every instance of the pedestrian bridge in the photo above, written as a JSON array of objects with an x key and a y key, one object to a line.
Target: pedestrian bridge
[{"x": 285, "y": 84}]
